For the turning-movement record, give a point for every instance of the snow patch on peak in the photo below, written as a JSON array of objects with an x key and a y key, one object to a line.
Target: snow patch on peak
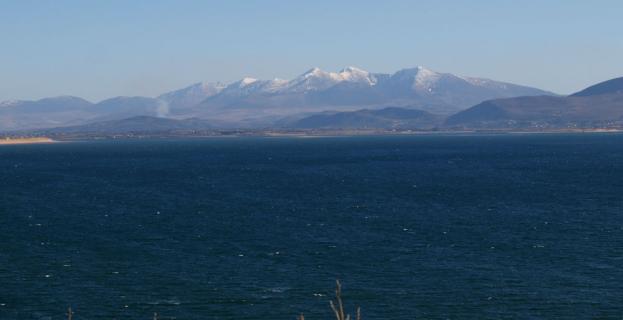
[
  {"x": 317, "y": 73},
  {"x": 354, "y": 74},
  {"x": 207, "y": 86},
  {"x": 487, "y": 83},
  {"x": 247, "y": 81},
  {"x": 248, "y": 86},
  {"x": 412, "y": 72},
  {"x": 420, "y": 77},
  {"x": 426, "y": 77},
  {"x": 313, "y": 71},
  {"x": 351, "y": 69},
  {"x": 274, "y": 85},
  {"x": 316, "y": 79},
  {"x": 313, "y": 79}
]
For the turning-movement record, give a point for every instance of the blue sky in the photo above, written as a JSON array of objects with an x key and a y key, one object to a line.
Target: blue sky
[{"x": 98, "y": 49}]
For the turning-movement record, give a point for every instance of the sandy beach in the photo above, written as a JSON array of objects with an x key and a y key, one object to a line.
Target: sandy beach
[{"x": 12, "y": 141}]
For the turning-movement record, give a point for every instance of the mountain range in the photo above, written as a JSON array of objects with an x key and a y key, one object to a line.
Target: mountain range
[
  {"x": 251, "y": 102},
  {"x": 352, "y": 98},
  {"x": 347, "y": 90},
  {"x": 599, "y": 106}
]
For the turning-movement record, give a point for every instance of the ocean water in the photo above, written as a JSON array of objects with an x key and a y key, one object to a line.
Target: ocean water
[{"x": 415, "y": 227}]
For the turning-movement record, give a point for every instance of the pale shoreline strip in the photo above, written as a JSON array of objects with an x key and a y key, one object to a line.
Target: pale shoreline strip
[{"x": 16, "y": 141}]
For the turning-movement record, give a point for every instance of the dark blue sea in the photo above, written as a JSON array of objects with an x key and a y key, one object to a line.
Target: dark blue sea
[{"x": 415, "y": 227}]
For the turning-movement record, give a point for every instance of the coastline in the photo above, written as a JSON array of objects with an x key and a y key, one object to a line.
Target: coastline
[{"x": 299, "y": 134}]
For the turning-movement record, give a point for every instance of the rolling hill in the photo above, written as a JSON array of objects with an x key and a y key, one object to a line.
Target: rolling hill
[{"x": 600, "y": 105}]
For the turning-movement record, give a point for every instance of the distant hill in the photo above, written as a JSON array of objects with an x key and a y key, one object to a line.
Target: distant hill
[
  {"x": 70, "y": 111},
  {"x": 597, "y": 106},
  {"x": 387, "y": 118},
  {"x": 614, "y": 86},
  {"x": 125, "y": 107},
  {"x": 48, "y": 112},
  {"x": 138, "y": 124}
]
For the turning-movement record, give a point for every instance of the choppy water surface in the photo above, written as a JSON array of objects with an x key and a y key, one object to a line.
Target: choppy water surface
[{"x": 431, "y": 227}]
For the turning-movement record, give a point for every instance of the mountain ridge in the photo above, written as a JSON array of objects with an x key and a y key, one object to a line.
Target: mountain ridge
[{"x": 436, "y": 92}]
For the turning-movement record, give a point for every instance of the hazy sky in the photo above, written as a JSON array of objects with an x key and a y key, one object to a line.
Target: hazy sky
[{"x": 98, "y": 49}]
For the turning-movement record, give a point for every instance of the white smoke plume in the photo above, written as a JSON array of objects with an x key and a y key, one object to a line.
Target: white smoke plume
[{"x": 162, "y": 110}]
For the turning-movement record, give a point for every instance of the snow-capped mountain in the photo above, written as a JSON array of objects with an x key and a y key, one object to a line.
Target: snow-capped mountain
[
  {"x": 249, "y": 98},
  {"x": 313, "y": 80},
  {"x": 353, "y": 88}
]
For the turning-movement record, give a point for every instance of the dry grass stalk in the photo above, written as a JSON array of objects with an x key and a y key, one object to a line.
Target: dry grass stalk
[
  {"x": 338, "y": 309},
  {"x": 337, "y": 306}
]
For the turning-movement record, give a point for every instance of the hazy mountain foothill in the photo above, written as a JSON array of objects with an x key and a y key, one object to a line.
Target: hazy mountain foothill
[
  {"x": 599, "y": 106},
  {"x": 387, "y": 118}
]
